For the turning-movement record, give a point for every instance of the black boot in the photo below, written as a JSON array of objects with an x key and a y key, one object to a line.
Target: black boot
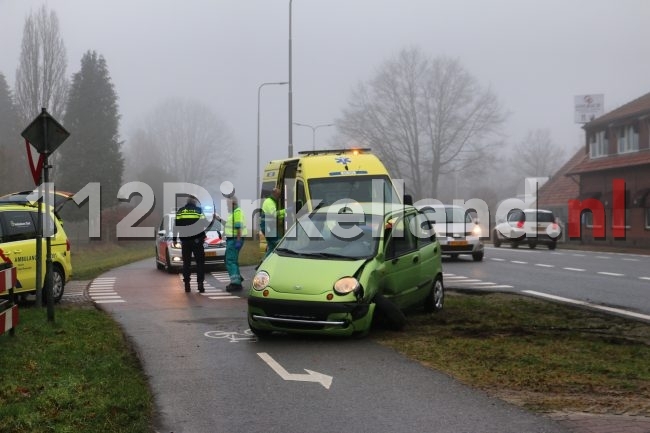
[
  {"x": 201, "y": 288},
  {"x": 187, "y": 286}
]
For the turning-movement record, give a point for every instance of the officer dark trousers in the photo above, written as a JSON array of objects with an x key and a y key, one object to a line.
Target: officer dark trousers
[{"x": 194, "y": 247}]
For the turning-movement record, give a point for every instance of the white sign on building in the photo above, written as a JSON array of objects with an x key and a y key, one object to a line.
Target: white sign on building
[{"x": 588, "y": 107}]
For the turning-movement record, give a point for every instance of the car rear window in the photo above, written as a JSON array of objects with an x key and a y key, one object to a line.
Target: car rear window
[{"x": 542, "y": 217}]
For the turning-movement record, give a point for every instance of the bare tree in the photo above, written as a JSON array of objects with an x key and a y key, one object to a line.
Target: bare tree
[
  {"x": 41, "y": 75},
  {"x": 425, "y": 117},
  {"x": 186, "y": 141},
  {"x": 537, "y": 155}
]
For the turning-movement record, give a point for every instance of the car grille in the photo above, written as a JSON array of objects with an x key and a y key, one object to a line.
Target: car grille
[{"x": 306, "y": 311}]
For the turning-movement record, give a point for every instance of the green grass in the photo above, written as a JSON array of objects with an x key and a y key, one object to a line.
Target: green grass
[
  {"x": 542, "y": 355},
  {"x": 74, "y": 375},
  {"x": 95, "y": 258}
]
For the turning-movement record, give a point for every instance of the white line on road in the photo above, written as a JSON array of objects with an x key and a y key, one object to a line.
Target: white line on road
[
  {"x": 109, "y": 301},
  {"x": 611, "y": 274},
  {"x": 518, "y": 262},
  {"x": 588, "y": 304},
  {"x": 497, "y": 259},
  {"x": 574, "y": 269},
  {"x": 311, "y": 376},
  {"x": 603, "y": 257},
  {"x": 644, "y": 278},
  {"x": 630, "y": 260},
  {"x": 542, "y": 265}
]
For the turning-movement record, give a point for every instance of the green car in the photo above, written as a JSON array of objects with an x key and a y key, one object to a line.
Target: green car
[{"x": 341, "y": 265}]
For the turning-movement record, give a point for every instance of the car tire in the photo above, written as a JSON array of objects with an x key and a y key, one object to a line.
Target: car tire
[
  {"x": 58, "y": 284},
  {"x": 514, "y": 244},
  {"x": 168, "y": 264},
  {"x": 532, "y": 245},
  {"x": 436, "y": 299},
  {"x": 159, "y": 265},
  {"x": 477, "y": 257},
  {"x": 552, "y": 245},
  {"x": 495, "y": 240},
  {"x": 391, "y": 312}
]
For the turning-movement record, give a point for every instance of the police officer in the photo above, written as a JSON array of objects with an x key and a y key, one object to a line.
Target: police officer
[
  {"x": 272, "y": 220},
  {"x": 235, "y": 229},
  {"x": 190, "y": 226}
]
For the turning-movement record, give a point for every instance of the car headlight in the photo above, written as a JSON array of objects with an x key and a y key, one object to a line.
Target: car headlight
[
  {"x": 476, "y": 231},
  {"x": 261, "y": 280},
  {"x": 346, "y": 285}
]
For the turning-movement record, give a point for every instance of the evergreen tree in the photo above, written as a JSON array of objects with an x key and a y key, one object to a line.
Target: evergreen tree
[
  {"x": 92, "y": 152},
  {"x": 14, "y": 170}
]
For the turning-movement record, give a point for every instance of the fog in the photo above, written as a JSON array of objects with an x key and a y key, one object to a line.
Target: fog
[{"x": 536, "y": 56}]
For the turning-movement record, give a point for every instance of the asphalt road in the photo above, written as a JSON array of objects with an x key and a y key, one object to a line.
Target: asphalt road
[
  {"x": 615, "y": 282},
  {"x": 209, "y": 374}
]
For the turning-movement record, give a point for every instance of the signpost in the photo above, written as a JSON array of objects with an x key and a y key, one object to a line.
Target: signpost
[
  {"x": 46, "y": 135},
  {"x": 588, "y": 107}
]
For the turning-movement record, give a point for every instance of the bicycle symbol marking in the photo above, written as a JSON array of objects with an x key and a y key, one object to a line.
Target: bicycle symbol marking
[{"x": 232, "y": 336}]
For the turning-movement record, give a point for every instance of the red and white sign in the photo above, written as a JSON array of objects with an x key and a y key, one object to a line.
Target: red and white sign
[
  {"x": 8, "y": 319},
  {"x": 7, "y": 279}
]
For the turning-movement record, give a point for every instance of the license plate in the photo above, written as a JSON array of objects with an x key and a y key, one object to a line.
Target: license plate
[
  {"x": 457, "y": 243},
  {"x": 210, "y": 253}
]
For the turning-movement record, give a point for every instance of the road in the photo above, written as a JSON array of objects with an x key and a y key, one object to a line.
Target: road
[
  {"x": 615, "y": 282},
  {"x": 209, "y": 374}
]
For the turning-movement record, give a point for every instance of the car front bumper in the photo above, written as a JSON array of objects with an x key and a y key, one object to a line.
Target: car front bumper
[{"x": 315, "y": 317}]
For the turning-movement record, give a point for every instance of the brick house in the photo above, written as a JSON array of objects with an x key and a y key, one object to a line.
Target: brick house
[{"x": 617, "y": 148}]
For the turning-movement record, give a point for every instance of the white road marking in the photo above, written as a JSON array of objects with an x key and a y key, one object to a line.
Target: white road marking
[
  {"x": 311, "y": 376},
  {"x": 497, "y": 259},
  {"x": 603, "y": 257},
  {"x": 518, "y": 262},
  {"x": 542, "y": 265},
  {"x": 644, "y": 278},
  {"x": 588, "y": 304},
  {"x": 574, "y": 269},
  {"x": 611, "y": 274},
  {"x": 578, "y": 255}
]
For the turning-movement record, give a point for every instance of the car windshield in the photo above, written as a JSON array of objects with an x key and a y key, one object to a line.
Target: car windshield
[
  {"x": 362, "y": 189},
  {"x": 342, "y": 236},
  {"x": 215, "y": 226},
  {"x": 542, "y": 217}
]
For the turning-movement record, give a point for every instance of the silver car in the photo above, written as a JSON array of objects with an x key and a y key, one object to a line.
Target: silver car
[
  {"x": 169, "y": 255},
  {"x": 457, "y": 231}
]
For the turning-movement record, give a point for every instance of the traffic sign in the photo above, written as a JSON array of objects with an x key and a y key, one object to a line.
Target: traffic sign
[{"x": 45, "y": 133}]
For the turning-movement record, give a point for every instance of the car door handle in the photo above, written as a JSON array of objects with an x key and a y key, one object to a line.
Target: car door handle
[{"x": 416, "y": 259}]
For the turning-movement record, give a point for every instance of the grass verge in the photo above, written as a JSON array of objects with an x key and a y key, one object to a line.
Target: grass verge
[
  {"x": 75, "y": 375},
  {"x": 94, "y": 258},
  {"x": 537, "y": 354}
]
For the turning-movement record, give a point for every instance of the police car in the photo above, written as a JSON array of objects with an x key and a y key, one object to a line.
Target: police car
[
  {"x": 169, "y": 256},
  {"x": 18, "y": 232}
]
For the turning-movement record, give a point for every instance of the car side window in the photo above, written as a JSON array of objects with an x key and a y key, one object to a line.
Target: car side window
[
  {"x": 401, "y": 240},
  {"x": 20, "y": 226}
]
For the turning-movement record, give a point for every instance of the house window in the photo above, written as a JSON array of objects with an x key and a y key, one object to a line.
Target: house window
[
  {"x": 598, "y": 144},
  {"x": 628, "y": 139}
]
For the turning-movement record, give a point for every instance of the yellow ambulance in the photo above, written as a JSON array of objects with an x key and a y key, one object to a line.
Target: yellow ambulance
[{"x": 322, "y": 177}]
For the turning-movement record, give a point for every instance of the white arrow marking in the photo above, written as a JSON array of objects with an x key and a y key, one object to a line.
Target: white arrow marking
[{"x": 311, "y": 376}]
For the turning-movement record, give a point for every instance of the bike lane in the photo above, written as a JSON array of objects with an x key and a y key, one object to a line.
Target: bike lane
[{"x": 209, "y": 374}]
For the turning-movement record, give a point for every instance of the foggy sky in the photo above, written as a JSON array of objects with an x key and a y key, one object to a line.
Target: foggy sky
[{"x": 534, "y": 55}]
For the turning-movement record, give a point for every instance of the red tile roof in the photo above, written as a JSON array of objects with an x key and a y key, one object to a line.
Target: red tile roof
[
  {"x": 642, "y": 157},
  {"x": 639, "y": 106},
  {"x": 561, "y": 188}
]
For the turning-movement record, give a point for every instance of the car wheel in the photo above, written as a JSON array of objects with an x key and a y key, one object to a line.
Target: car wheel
[
  {"x": 391, "y": 312},
  {"x": 436, "y": 299},
  {"x": 58, "y": 284},
  {"x": 514, "y": 244},
  {"x": 477, "y": 256},
  {"x": 496, "y": 241},
  {"x": 159, "y": 265},
  {"x": 532, "y": 245},
  {"x": 168, "y": 264},
  {"x": 552, "y": 245}
]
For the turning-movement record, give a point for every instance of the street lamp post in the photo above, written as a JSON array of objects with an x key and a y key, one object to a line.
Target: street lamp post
[
  {"x": 313, "y": 131},
  {"x": 290, "y": 90},
  {"x": 259, "y": 92}
]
